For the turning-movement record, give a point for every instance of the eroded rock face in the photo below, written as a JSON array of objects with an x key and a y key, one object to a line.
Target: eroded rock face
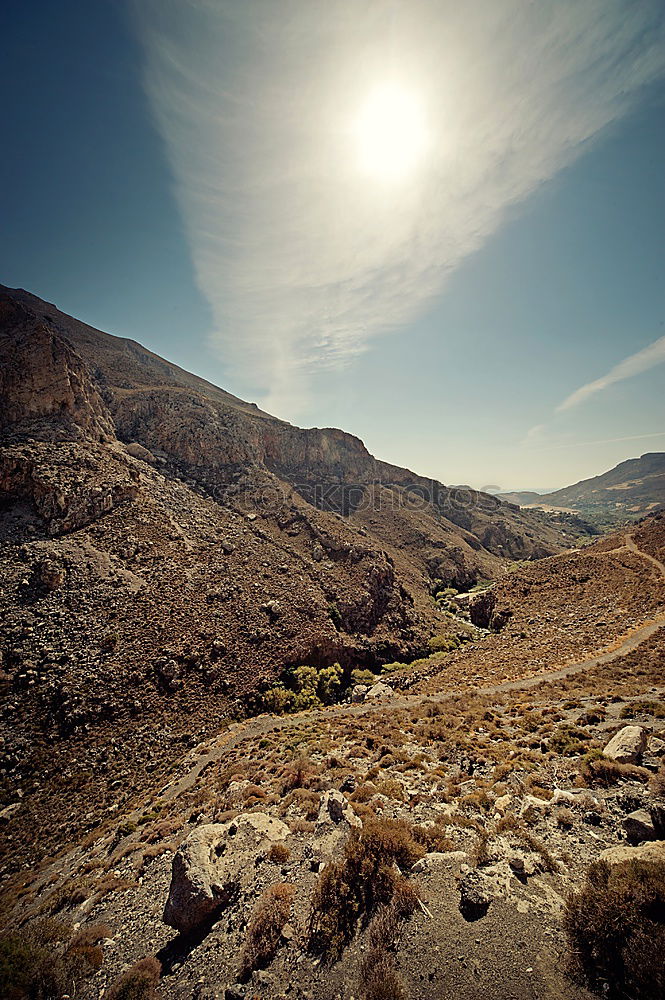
[
  {"x": 215, "y": 864},
  {"x": 627, "y": 746},
  {"x": 44, "y": 383},
  {"x": 485, "y": 613}
]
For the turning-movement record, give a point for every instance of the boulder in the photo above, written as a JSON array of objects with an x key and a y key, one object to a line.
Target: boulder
[
  {"x": 215, "y": 864},
  {"x": 358, "y": 693},
  {"x": 657, "y": 814},
  {"x": 627, "y": 746},
  {"x": 379, "y": 692},
  {"x": 336, "y": 809},
  {"x": 439, "y": 859},
  {"x": 334, "y": 823},
  {"x": 476, "y": 893},
  {"x": 651, "y": 852},
  {"x": 502, "y": 804},
  {"x": 638, "y": 826}
]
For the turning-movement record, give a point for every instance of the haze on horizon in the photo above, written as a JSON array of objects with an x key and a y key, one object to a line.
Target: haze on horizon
[{"x": 439, "y": 227}]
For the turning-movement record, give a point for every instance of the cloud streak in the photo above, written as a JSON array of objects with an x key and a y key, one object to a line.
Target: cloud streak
[
  {"x": 636, "y": 364},
  {"x": 302, "y": 258}
]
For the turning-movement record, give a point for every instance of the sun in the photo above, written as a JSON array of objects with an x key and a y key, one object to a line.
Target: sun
[{"x": 390, "y": 132}]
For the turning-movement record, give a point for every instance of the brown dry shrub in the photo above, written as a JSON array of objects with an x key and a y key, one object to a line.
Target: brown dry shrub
[
  {"x": 136, "y": 983},
  {"x": 270, "y": 914},
  {"x": 657, "y": 783},
  {"x": 279, "y": 853},
  {"x": 86, "y": 944},
  {"x": 31, "y": 961},
  {"x": 616, "y": 929},
  {"x": 601, "y": 771},
  {"x": 432, "y": 838},
  {"x": 379, "y": 978},
  {"x": 352, "y": 889}
]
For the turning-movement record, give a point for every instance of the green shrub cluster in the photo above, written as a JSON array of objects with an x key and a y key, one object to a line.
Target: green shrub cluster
[
  {"x": 304, "y": 687},
  {"x": 443, "y": 643}
]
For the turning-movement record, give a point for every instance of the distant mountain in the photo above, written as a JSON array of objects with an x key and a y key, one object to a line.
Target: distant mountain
[
  {"x": 521, "y": 497},
  {"x": 627, "y": 492}
]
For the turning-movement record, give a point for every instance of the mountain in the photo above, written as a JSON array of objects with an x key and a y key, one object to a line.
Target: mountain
[
  {"x": 206, "y": 791},
  {"x": 168, "y": 549},
  {"x": 627, "y": 492},
  {"x": 521, "y": 497}
]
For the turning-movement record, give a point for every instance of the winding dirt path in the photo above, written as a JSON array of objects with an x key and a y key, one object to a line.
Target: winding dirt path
[{"x": 263, "y": 724}]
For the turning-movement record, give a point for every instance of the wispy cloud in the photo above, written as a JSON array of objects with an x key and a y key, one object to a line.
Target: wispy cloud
[
  {"x": 637, "y": 363},
  {"x": 302, "y": 257},
  {"x": 588, "y": 444}
]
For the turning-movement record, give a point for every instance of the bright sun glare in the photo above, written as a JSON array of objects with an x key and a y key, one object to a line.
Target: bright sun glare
[{"x": 390, "y": 132}]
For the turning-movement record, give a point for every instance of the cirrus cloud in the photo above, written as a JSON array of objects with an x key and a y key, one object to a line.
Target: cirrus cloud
[{"x": 302, "y": 258}]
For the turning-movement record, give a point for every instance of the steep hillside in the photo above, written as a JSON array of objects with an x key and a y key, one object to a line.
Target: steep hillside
[{"x": 168, "y": 551}]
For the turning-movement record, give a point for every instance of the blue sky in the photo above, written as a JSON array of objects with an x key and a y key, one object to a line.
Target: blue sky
[{"x": 177, "y": 173}]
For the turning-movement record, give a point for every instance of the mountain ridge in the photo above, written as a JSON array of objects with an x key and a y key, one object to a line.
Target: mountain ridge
[{"x": 629, "y": 490}]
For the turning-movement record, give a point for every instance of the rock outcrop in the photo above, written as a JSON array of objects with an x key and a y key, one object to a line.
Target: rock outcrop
[
  {"x": 627, "y": 746},
  {"x": 215, "y": 864}
]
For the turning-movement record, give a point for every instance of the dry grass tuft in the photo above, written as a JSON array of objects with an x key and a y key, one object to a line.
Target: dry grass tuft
[
  {"x": 279, "y": 854},
  {"x": 270, "y": 914}
]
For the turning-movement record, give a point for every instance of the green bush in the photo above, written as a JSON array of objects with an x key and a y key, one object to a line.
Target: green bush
[
  {"x": 616, "y": 929},
  {"x": 568, "y": 740},
  {"x": 391, "y": 668},
  {"x": 329, "y": 684},
  {"x": 359, "y": 676},
  {"x": 443, "y": 643},
  {"x": 303, "y": 687}
]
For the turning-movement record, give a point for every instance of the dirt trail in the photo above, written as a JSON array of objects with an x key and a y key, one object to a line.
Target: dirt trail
[{"x": 264, "y": 724}]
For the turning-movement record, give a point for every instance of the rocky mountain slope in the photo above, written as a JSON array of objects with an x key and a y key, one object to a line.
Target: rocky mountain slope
[
  {"x": 173, "y": 562},
  {"x": 168, "y": 550},
  {"x": 627, "y": 492}
]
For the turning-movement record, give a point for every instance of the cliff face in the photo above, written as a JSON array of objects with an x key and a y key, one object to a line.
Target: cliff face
[{"x": 44, "y": 383}]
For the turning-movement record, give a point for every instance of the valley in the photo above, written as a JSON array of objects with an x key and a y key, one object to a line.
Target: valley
[{"x": 280, "y": 720}]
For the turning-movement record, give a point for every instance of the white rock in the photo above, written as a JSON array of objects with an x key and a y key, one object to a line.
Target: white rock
[
  {"x": 439, "y": 859},
  {"x": 654, "y": 851},
  {"x": 379, "y": 692},
  {"x": 214, "y": 863},
  {"x": 627, "y": 746}
]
